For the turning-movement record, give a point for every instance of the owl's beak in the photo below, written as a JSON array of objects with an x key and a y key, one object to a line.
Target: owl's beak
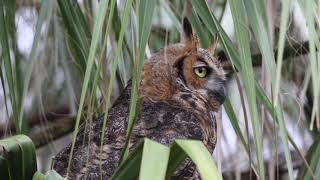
[{"x": 219, "y": 95}]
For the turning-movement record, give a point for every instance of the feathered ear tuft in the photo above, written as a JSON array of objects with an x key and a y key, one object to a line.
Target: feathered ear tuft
[
  {"x": 213, "y": 45},
  {"x": 187, "y": 29},
  {"x": 188, "y": 38}
]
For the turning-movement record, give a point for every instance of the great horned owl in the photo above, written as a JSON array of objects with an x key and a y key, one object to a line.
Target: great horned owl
[{"x": 182, "y": 85}]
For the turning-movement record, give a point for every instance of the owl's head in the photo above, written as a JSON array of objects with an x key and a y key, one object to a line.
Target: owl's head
[{"x": 185, "y": 73}]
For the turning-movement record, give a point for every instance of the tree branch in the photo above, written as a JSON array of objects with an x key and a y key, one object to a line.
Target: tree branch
[{"x": 290, "y": 51}]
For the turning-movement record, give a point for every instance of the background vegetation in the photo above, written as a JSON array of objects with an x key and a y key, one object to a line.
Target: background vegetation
[{"x": 63, "y": 62}]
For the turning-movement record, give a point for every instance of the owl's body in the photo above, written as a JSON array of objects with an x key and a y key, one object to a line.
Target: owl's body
[{"x": 181, "y": 87}]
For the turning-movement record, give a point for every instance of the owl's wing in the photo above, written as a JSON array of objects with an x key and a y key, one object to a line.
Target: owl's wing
[
  {"x": 158, "y": 121},
  {"x": 86, "y": 157}
]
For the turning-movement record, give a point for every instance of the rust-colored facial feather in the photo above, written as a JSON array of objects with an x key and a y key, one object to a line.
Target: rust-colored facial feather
[{"x": 192, "y": 80}]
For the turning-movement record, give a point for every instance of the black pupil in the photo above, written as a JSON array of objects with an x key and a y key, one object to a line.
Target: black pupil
[{"x": 200, "y": 70}]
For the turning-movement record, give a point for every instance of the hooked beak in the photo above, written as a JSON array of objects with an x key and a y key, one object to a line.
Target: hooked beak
[{"x": 219, "y": 95}]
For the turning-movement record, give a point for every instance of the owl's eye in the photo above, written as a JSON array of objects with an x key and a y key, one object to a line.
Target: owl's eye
[{"x": 201, "y": 71}]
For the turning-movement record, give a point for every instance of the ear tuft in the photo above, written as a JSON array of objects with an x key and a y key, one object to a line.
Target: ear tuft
[
  {"x": 188, "y": 38},
  {"x": 213, "y": 45},
  {"x": 187, "y": 29}
]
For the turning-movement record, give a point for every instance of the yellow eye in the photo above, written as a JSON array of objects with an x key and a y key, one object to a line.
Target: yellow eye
[{"x": 201, "y": 72}]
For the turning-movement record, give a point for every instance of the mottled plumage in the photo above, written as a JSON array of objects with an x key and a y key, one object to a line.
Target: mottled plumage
[{"x": 182, "y": 85}]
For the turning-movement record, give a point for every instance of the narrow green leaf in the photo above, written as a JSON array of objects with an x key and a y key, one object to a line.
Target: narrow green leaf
[
  {"x": 284, "y": 138},
  {"x": 202, "y": 9},
  {"x": 4, "y": 91},
  {"x": 309, "y": 8},
  {"x": 313, "y": 158},
  {"x": 234, "y": 121},
  {"x": 260, "y": 30},
  {"x": 283, "y": 29}
]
